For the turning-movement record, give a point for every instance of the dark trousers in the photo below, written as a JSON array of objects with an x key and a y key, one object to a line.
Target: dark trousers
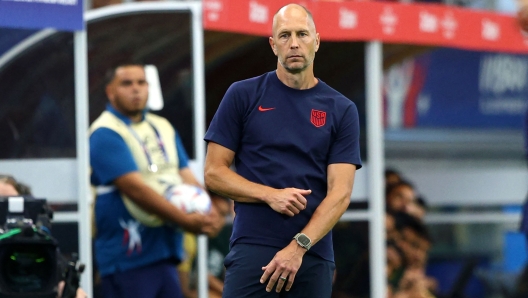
[
  {"x": 159, "y": 280},
  {"x": 244, "y": 268}
]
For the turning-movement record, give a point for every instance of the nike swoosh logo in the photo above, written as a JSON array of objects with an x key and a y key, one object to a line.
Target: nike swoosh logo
[{"x": 265, "y": 109}]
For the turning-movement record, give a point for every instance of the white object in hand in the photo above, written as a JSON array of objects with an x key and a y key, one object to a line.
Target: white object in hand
[{"x": 189, "y": 198}]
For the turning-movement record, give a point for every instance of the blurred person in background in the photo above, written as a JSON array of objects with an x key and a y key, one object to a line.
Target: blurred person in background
[
  {"x": 187, "y": 269},
  {"x": 135, "y": 156},
  {"x": 400, "y": 196},
  {"x": 417, "y": 208},
  {"x": 395, "y": 266},
  {"x": 413, "y": 239},
  {"x": 9, "y": 186},
  {"x": 392, "y": 177}
]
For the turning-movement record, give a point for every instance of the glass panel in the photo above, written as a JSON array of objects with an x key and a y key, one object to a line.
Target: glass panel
[
  {"x": 160, "y": 39},
  {"x": 37, "y": 106}
]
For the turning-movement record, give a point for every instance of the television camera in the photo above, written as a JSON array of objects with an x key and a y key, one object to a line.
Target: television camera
[{"x": 31, "y": 265}]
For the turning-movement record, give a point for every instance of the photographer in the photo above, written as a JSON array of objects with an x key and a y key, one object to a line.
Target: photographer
[{"x": 10, "y": 187}]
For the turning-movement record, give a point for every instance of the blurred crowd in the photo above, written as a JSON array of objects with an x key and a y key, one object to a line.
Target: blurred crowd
[
  {"x": 407, "y": 246},
  {"x": 408, "y": 240}
]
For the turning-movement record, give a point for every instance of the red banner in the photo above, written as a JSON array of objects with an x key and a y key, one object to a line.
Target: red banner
[{"x": 425, "y": 24}]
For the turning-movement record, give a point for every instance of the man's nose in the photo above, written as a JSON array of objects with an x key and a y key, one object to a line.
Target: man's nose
[
  {"x": 135, "y": 87},
  {"x": 294, "y": 42}
]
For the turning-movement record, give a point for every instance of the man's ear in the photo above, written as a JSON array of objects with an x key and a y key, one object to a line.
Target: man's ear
[
  {"x": 109, "y": 92},
  {"x": 273, "y": 46},
  {"x": 317, "y": 41}
]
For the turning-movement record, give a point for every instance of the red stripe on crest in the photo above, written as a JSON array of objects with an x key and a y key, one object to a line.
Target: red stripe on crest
[{"x": 318, "y": 118}]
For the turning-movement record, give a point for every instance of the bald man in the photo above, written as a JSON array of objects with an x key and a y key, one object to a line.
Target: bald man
[{"x": 295, "y": 144}]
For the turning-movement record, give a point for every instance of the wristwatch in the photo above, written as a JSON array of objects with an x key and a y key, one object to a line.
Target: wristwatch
[{"x": 303, "y": 240}]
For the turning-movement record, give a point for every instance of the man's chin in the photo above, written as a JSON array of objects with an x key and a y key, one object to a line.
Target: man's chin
[
  {"x": 134, "y": 113},
  {"x": 295, "y": 70}
]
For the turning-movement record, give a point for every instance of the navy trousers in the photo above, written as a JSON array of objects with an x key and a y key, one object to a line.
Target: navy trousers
[{"x": 244, "y": 268}]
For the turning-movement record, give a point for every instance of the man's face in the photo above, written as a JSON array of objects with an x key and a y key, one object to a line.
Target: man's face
[
  {"x": 128, "y": 91},
  {"x": 394, "y": 260},
  {"x": 294, "y": 40},
  {"x": 400, "y": 198},
  {"x": 416, "y": 247}
]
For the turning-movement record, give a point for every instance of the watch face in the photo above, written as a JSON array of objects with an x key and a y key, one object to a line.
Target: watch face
[{"x": 303, "y": 240}]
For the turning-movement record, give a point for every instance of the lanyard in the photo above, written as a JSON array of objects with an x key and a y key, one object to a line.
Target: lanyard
[{"x": 152, "y": 166}]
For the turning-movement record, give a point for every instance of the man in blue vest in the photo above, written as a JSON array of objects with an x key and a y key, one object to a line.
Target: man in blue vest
[
  {"x": 135, "y": 156},
  {"x": 294, "y": 142}
]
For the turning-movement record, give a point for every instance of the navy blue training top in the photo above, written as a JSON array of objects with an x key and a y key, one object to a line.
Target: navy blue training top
[{"x": 284, "y": 137}]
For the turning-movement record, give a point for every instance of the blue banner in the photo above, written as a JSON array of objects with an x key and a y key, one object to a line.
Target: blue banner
[
  {"x": 64, "y": 15},
  {"x": 458, "y": 89}
]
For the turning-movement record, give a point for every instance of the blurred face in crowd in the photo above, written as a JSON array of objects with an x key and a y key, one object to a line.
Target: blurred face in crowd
[
  {"x": 7, "y": 188},
  {"x": 128, "y": 91},
  {"x": 294, "y": 39},
  {"x": 392, "y": 178},
  {"x": 390, "y": 226},
  {"x": 415, "y": 210},
  {"x": 400, "y": 197},
  {"x": 415, "y": 248},
  {"x": 394, "y": 260}
]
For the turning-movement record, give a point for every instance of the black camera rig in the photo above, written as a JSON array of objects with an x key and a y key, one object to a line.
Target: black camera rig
[{"x": 30, "y": 262}]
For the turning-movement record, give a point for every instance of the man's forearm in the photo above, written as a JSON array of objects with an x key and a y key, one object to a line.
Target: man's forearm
[
  {"x": 326, "y": 216},
  {"x": 220, "y": 179},
  {"x": 226, "y": 182},
  {"x": 145, "y": 197},
  {"x": 328, "y": 213}
]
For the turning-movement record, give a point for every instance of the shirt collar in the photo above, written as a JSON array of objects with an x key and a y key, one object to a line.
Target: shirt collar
[{"x": 123, "y": 118}]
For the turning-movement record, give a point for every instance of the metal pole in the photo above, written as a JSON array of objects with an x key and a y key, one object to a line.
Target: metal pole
[
  {"x": 375, "y": 159},
  {"x": 83, "y": 164},
  {"x": 199, "y": 126}
]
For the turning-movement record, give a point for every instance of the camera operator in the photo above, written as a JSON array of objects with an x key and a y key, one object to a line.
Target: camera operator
[{"x": 10, "y": 187}]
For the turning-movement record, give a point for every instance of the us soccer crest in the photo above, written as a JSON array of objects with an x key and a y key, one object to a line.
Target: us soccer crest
[{"x": 318, "y": 118}]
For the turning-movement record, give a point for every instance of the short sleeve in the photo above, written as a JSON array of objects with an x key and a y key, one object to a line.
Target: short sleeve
[
  {"x": 110, "y": 157},
  {"x": 345, "y": 148},
  {"x": 226, "y": 126},
  {"x": 183, "y": 158}
]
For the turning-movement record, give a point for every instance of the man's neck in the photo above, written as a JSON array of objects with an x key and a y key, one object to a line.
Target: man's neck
[
  {"x": 301, "y": 80},
  {"x": 135, "y": 118}
]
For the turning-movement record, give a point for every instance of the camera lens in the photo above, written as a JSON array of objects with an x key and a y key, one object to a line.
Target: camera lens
[{"x": 27, "y": 267}]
